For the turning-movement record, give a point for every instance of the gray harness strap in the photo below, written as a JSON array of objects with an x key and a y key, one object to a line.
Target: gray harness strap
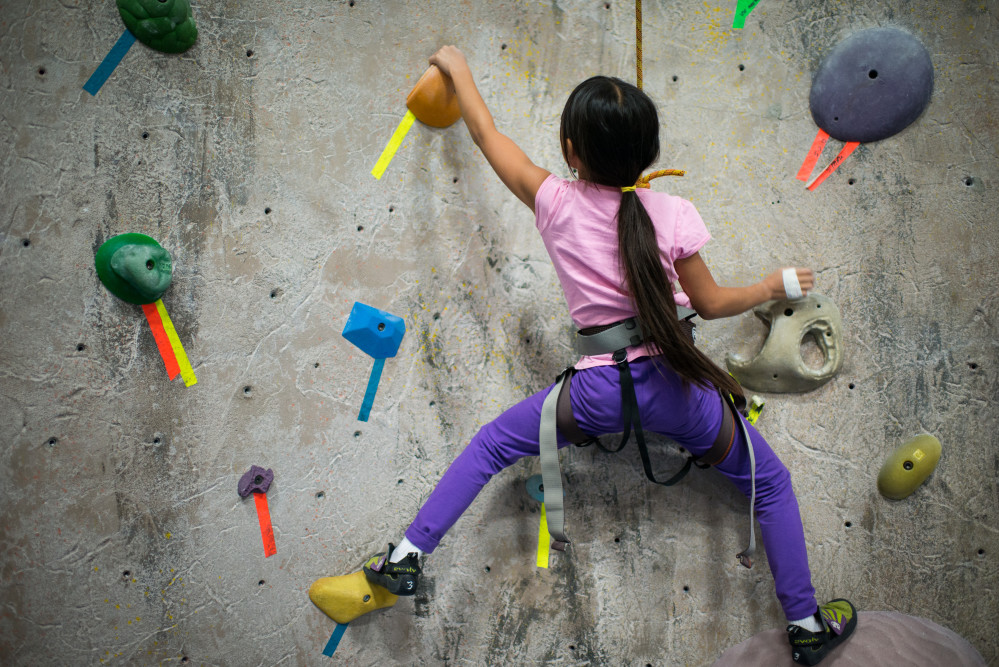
[{"x": 556, "y": 413}]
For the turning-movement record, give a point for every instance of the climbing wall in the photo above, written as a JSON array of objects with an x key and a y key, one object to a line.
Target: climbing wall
[{"x": 249, "y": 158}]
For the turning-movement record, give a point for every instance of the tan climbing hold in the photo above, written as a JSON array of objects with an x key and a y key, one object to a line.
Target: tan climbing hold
[
  {"x": 779, "y": 367},
  {"x": 432, "y": 99},
  {"x": 908, "y": 467},
  {"x": 345, "y": 598}
]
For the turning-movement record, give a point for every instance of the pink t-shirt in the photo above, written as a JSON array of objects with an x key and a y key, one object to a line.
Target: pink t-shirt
[{"x": 578, "y": 224}]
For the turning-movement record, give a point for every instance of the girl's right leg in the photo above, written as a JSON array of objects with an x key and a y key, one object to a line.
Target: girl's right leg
[{"x": 499, "y": 444}]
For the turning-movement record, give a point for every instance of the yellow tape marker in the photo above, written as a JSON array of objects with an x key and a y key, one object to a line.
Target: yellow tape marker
[
  {"x": 393, "y": 145},
  {"x": 544, "y": 539},
  {"x": 186, "y": 372}
]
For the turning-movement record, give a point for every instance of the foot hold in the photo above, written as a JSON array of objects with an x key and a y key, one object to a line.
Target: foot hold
[{"x": 345, "y": 598}]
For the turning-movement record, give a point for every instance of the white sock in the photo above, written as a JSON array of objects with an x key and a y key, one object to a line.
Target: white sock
[
  {"x": 809, "y": 623},
  {"x": 404, "y": 549}
]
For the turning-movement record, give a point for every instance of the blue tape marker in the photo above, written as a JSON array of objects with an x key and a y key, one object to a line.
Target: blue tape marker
[
  {"x": 110, "y": 61},
  {"x": 334, "y": 639},
  {"x": 369, "y": 394}
]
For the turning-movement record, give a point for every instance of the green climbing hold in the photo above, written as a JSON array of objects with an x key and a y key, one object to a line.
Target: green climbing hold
[
  {"x": 164, "y": 25},
  {"x": 134, "y": 267}
]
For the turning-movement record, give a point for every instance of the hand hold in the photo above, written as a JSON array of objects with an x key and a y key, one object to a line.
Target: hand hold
[
  {"x": 134, "y": 267},
  {"x": 872, "y": 85},
  {"x": 255, "y": 480},
  {"x": 778, "y": 366},
  {"x": 164, "y": 25},
  {"x": 432, "y": 99},
  {"x": 909, "y": 466},
  {"x": 376, "y": 332}
]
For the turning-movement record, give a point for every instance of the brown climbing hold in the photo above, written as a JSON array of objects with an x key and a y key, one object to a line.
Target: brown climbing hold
[{"x": 432, "y": 99}]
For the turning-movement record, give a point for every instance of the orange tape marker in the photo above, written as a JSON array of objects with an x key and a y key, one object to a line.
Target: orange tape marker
[
  {"x": 848, "y": 148},
  {"x": 266, "y": 529},
  {"x": 813, "y": 155},
  {"x": 162, "y": 340}
]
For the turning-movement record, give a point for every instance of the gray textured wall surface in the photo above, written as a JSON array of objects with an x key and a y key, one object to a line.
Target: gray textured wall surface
[{"x": 248, "y": 157}]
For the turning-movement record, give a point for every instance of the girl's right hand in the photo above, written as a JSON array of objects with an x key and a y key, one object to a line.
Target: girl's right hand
[
  {"x": 775, "y": 282},
  {"x": 448, "y": 59}
]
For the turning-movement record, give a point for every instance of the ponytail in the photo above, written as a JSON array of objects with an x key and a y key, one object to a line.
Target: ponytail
[{"x": 652, "y": 293}]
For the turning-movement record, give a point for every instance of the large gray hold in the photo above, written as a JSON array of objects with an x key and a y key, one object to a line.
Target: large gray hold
[
  {"x": 881, "y": 638},
  {"x": 779, "y": 367},
  {"x": 872, "y": 85}
]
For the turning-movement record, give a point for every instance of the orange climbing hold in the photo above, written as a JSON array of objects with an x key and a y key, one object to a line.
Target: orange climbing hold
[{"x": 432, "y": 99}]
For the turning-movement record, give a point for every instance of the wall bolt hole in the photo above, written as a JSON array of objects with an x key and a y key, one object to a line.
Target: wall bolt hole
[
  {"x": 249, "y": 53},
  {"x": 81, "y": 347},
  {"x": 26, "y": 243},
  {"x": 150, "y": 264},
  {"x": 742, "y": 68},
  {"x": 357, "y": 434},
  {"x": 261, "y": 582},
  {"x": 487, "y": 569},
  {"x": 247, "y": 390},
  {"x": 675, "y": 77},
  {"x": 873, "y": 74},
  {"x": 145, "y": 135},
  {"x": 848, "y": 524},
  {"x": 969, "y": 181},
  {"x": 381, "y": 326},
  {"x": 852, "y": 386},
  {"x": 320, "y": 494},
  {"x": 367, "y": 598},
  {"x": 53, "y": 441},
  {"x": 267, "y": 210},
  {"x": 789, "y": 312},
  {"x": 41, "y": 71},
  {"x": 972, "y": 365},
  {"x": 360, "y": 228},
  {"x": 981, "y": 552},
  {"x": 907, "y": 465}
]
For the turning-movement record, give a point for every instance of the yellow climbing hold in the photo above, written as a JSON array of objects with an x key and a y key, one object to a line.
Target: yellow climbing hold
[
  {"x": 345, "y": 598},
  {"x": 909, "y": 466}
]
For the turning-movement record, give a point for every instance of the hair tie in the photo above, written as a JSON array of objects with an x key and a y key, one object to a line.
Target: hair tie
[{"x": 630, "y": 188}]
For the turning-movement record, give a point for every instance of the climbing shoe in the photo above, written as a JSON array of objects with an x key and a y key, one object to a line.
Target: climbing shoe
[
  {"x": 398, "y": 578},
  {"x": 838, "y": 619}
]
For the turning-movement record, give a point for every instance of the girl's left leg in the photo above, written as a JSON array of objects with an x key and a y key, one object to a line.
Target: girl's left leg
[{"x": 500, "y": 443}]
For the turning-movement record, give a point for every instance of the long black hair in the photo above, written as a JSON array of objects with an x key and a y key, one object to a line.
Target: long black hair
[{"x": 614, "y": 130}]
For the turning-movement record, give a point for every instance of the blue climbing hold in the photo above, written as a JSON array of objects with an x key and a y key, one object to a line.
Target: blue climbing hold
[{"x": 377, "y": 333}]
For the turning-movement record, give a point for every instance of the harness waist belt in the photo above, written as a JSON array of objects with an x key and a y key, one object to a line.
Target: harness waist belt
[{"x": 556, "y": 415}]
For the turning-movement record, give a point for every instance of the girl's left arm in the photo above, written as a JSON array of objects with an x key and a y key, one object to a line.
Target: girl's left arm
[{"x": 510, "y": 163}]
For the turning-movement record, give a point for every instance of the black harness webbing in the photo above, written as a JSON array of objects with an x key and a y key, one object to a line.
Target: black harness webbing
[{"x": 557, "y": 414}]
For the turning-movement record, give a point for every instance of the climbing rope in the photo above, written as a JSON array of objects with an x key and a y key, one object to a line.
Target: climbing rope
[
  {"x": 638, "y": 41},
  {"x": 643, "y": 182}
]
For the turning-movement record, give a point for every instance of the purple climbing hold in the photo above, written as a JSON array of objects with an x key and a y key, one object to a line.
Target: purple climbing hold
[
  {"x": 872, "y": 85},
  {"x": 255, "y": 480}
]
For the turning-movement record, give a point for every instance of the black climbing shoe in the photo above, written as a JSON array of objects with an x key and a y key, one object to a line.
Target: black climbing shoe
[
  {"x": 838, "y": 619},
  {"x": 399, "y": 578}
]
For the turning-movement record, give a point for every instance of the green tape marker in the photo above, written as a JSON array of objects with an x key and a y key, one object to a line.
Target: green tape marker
[{"x": 742, "y": 10}]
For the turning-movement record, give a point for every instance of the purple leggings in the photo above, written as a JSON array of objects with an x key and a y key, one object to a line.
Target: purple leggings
[{"x": 692, "y": 419}]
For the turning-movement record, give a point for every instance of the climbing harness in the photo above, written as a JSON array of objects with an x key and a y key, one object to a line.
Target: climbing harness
[{"x": 556, "y": 415}]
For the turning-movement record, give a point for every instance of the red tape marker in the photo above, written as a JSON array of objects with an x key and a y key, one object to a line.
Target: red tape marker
[
  {"x": 266, "y": 529},
  {"x": 813, "y": 155},
  {"x": 162, "y": 340},
  {"x": 848, "y": 148}
]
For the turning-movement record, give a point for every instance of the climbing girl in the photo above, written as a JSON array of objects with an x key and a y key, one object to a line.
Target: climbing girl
[{"x": 618, "y": 248}]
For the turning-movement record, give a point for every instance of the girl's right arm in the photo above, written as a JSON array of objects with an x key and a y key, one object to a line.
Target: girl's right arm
[
  {"x": 712, "y": 301},
  {"x": 510, "y": 163}
]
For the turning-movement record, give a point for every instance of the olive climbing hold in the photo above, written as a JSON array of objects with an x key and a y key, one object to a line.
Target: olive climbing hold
[
  {"x": 345, "y": 598},
  {"x": 909, "y": 466},
  {"x": 134, "y": 267},
  {"x": 164, "y": 25}
]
